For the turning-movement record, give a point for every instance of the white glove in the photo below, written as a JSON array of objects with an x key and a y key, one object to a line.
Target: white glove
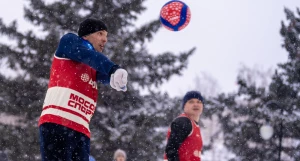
[{"x": 118, "y": 80}]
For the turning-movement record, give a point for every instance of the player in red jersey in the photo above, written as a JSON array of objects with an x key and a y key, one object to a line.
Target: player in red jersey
[
  {"x": 184, "y": 141},
  {"x": 70, "y": 101}
]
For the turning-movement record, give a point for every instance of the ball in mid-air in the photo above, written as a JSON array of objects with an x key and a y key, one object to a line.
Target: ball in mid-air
[{"x": 175, "y": 15}]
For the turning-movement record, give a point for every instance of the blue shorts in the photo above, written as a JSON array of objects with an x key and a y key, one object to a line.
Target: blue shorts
[{"x": 59, "y": 143}]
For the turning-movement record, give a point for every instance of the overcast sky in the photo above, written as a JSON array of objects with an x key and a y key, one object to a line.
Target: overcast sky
[{"x": 226, "y": 34}]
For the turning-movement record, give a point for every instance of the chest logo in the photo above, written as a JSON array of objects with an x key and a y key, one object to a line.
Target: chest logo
[{"x": 85, "y": 77}]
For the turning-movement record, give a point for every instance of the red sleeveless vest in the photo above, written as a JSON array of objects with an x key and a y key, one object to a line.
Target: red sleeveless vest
[
  {"x": 191, "y": 147},
  {"x": 71, "y": 96}
]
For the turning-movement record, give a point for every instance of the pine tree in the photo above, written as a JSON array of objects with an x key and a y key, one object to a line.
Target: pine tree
[
  {"x": 242, "y": 114},
  {"x": 128, "y": 120}
]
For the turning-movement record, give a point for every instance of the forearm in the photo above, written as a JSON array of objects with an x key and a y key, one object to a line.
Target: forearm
[
  {"x": 172, "y": 151},
  {"x": 96, "y": 60}
]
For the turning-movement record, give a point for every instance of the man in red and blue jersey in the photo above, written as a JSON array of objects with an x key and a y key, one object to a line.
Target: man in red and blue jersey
[
  {"x": 184, "y": 141},
  {"x": 70, "y": 101}
]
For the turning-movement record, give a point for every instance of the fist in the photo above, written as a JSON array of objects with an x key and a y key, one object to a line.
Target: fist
[{"x": 118, "y": 80}]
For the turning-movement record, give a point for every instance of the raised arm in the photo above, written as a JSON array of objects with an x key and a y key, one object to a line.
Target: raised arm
[{"x": 75, "y": 48}]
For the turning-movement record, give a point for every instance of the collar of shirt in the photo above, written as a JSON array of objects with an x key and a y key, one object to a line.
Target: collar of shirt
[{"x": 88, "y": 44}]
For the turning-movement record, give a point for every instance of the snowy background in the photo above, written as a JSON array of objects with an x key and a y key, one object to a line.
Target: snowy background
[{"x": 228, "y": 35}]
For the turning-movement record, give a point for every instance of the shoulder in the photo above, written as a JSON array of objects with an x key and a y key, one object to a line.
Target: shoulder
[
  {"x": 182, "y": 122},
  {"x": 67, "y": 44},
  {"x": 74, "y": 40},
  {"x": 70, "y": 37}
]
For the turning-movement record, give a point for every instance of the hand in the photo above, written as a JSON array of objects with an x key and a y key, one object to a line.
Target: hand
[{"x": 118, "y": 80}]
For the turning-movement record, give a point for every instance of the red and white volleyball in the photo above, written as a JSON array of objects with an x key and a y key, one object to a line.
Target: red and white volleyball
[{"x": 175, "y": 15}]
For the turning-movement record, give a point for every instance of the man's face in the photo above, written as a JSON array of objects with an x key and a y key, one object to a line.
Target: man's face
[
  {"x": 193, "y": 107},
  {"x": 97, "y": 39},
  {"x": 120, "y": 158}
]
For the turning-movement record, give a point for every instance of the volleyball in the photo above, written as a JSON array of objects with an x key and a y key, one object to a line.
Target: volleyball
[{"x": 175, "y": 15}]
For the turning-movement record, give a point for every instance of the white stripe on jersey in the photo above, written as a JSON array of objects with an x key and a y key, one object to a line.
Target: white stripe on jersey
[
  {"x": 60, "y": 96},
  {"x": 66, "y": 115}
]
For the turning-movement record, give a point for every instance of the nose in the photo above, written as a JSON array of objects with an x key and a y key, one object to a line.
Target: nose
[{"x": 104, "y": 39}]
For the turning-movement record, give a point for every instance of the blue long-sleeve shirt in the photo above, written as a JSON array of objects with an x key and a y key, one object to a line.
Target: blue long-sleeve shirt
[{"x": 75, "y": 48}]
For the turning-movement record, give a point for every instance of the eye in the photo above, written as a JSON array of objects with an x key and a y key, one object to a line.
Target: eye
[{"x": 191, "y": 101}]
